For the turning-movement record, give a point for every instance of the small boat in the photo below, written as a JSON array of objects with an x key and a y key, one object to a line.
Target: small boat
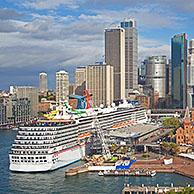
[
  {"x": 153, "y": 173},
  {"x": 100, "y": 173},
  {"x": 137, "y": 173}
]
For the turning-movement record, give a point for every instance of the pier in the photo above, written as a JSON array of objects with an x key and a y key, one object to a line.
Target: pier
[
  {"x": 76, "y": 170},
  {"x": 180, "y": 166},
  {"x": 151, "y": 189}
]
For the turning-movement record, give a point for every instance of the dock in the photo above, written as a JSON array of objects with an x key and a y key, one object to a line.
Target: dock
[
  {"x": 180, "y": 166},
  {"x": 76, "y": 170},
  {"x": 108, "y": 171},
  {"x": 152, "y": 190}
]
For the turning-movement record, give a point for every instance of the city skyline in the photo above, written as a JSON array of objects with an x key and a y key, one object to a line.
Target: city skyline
[{"x": 53, "y": 35}]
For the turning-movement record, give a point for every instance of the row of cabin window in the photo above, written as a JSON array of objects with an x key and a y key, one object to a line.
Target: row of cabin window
[{"x": 29, "y": 161}]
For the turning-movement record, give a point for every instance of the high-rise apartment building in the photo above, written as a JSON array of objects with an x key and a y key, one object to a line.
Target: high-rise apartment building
[
  {"x": 156, "y": 74},
  {"x": 179, "y": 70},
  {"x": 62, "y": 86},
  {"x": 80, "y": 80},
  {"x": 131, "y": 55},
  {"x": 29, "y": 92},
  {"x": 43, "y": 88},
  {"x": 190, "y": 74},
  {"x": 115, "y": 56},
  {"x": 99, "y": 82}
]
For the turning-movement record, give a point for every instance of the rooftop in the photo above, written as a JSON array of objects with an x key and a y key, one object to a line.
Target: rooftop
[
  {"x": 62, "y": 72},
  {"x": 133, "y": 131}
]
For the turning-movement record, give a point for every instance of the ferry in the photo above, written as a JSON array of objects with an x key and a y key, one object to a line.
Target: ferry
[{"x": 58, "y": 140}]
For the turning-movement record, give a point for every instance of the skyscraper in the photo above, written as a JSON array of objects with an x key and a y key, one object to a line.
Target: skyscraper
[
  {"x": 179, "y": 70},
  {"x": 43, "y": 82},
  {"x": 115, "y": 56},
  {"x": 131, "y": 54},
  {"x": 168, "y": 77},
  {"x": 99, "y": 82},
  {"x": 156, "y": 74},
  {"x": 190, "y": 88},
  {"x": 62, "y": 86},
  {"x": 80, "y": 80}
]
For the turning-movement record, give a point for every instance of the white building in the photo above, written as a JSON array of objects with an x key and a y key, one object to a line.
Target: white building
[
  {"x": 190, "y": 75},
  {"x": 62, "y": 86}
]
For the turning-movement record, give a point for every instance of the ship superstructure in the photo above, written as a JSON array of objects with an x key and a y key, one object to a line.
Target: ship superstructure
[{"x": 44, "y": 145}]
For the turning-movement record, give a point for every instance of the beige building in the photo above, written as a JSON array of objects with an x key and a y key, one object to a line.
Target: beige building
[
  {"x": 80, "y": 80},
  {"x": 29, "y": 92},
  {"x": 99, "y": 82},
  {"x": 62, "y": 86},
  {"x": 43, "y": 88},
  {"x": 131, "y": 54},
  {"x": 115, "y": 56}
]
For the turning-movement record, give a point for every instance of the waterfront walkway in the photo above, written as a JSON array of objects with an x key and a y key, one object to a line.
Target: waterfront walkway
[{"x": 180, "y": 165}]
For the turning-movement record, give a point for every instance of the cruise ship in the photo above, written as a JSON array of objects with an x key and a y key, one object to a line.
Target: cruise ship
[{"x": 59, "y": 139}]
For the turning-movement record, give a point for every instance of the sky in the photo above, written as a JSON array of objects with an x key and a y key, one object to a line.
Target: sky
[{"x": 49, "y": 35}]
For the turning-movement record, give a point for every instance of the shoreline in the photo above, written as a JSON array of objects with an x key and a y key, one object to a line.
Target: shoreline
[{"x": 181, "y": 166}]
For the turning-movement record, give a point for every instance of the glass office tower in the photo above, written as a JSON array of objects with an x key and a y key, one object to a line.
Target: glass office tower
[{"x": 179, "y": 70}]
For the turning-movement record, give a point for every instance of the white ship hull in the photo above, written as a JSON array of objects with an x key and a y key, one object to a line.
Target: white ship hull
[{"x": 62, "y": 158}]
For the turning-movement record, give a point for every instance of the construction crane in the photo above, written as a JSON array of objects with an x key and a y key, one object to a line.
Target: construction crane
[{"x": 105, "y": 149}]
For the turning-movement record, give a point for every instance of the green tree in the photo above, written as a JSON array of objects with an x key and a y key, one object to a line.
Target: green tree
[
  {"x": 169, "y": 148},
  {"x": 185, "y": 191},
  {"x": 171, "y": 122}
]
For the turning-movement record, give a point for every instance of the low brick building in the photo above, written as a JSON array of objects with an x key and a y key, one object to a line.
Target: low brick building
[
  {"x": 144, "y": 101},
  {"x": 185, "y": 134}
]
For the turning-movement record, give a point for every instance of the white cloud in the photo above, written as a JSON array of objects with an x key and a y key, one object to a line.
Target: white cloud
[
  {"x": 51, "y": 4},
  {"x": 151, "y": 47},
  {"x": 48, "y": 40}
]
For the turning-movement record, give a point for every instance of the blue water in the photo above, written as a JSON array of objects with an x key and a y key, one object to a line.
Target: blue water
[{"x": 55, "y": 182}]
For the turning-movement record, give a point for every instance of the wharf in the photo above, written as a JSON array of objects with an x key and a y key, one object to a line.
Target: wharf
[
  {"x": 151, "y": 189},
  {"x": 76, "y": 170},
  {"x": 180, "y": 166}
]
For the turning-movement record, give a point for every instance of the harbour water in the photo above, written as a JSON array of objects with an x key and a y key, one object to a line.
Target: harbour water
[{"x": 55, "y": 182}]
